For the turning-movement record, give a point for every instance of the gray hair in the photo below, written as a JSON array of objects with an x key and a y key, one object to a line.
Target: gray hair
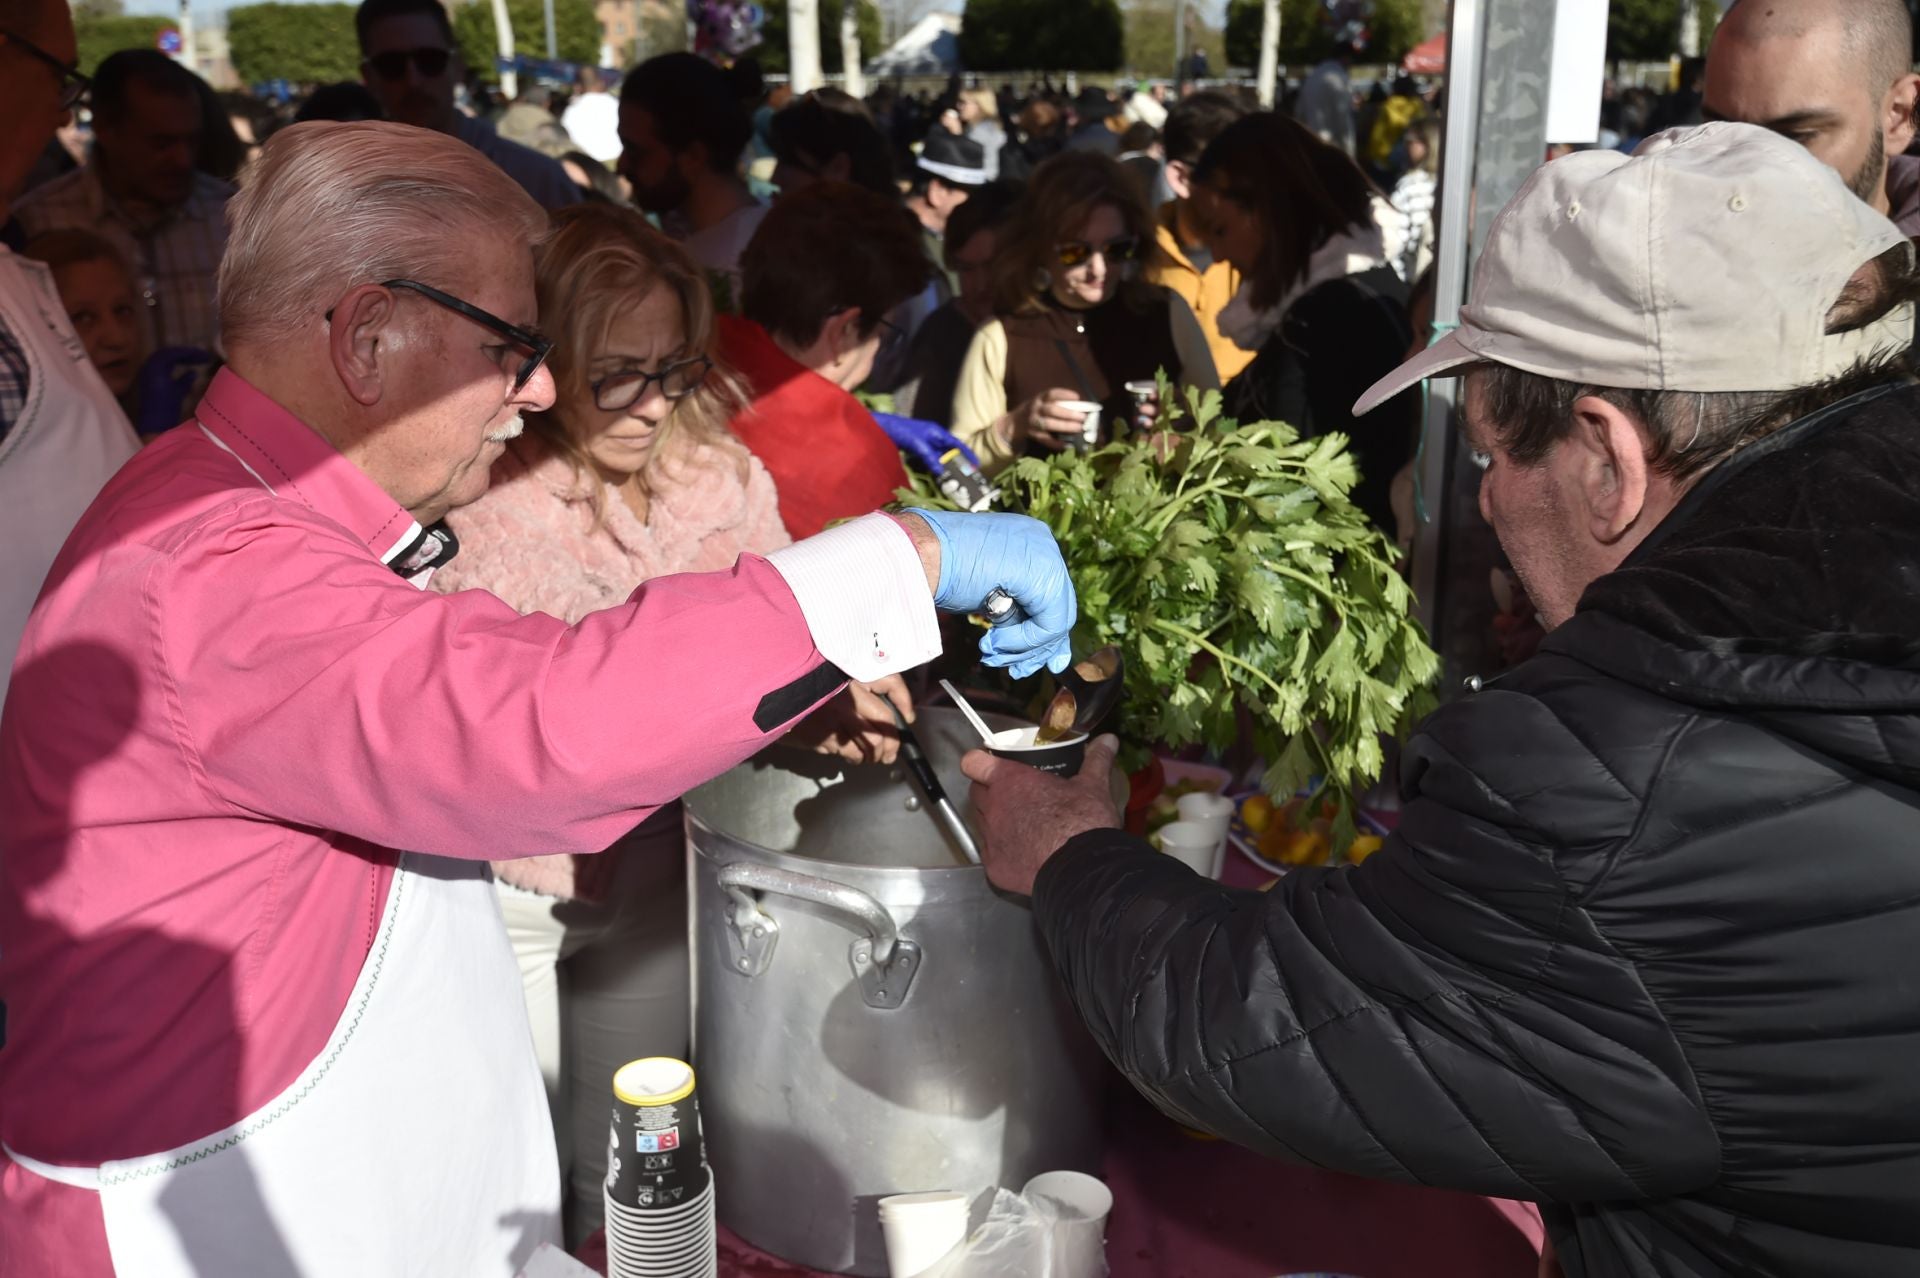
[
  {"x": 328, "y": 207},
  {"x": 1689, "y": 432}
]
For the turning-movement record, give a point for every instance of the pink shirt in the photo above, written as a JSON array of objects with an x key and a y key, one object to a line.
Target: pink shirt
[{"x": 226, "y": 713}]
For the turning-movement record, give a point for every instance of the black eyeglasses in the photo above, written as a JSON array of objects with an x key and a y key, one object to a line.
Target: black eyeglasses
[
  {"x": 1074, "y": 252},
  {"x": 892, "y": 338},
  {"x": 392, "y": 65},
  {"x": 536, "y": 346},
  {"x": 623, "y": 389},
  {"x": 74, "y": 87}
]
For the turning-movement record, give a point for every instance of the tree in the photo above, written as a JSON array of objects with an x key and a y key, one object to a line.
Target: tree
[
  {"x": 576, "y": 33},
  {"x": 663, "y": 29},
  {"x": 1643, "y": 30},
  {"x": 1395, "y": 27},
  {"x": 304, "y": 43},
  {"x": 1149, "y": 38},
  {"x": 771, "y": 52},
  {"x": 99, "y": 34},
  {"x": 1051, "y": 35}
]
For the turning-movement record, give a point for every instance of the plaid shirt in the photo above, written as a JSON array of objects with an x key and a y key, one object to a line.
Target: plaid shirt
[
  {"x": 13, "y": 380},
  {"x": 175, "y": 260}
]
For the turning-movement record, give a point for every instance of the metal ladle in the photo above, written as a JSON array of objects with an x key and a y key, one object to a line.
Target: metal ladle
[
  {"x": 931, "y": 790},
  {"x": 1088, "y": 692}
]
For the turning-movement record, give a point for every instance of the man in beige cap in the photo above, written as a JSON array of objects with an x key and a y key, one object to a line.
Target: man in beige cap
[{"x": 1639, "y": 947}]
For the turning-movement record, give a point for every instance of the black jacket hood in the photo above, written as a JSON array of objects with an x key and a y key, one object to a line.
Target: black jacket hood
[{"x": 1785, "y": 587}]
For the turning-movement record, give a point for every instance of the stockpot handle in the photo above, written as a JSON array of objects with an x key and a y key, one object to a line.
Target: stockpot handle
[{"x": 884, "y": 962}]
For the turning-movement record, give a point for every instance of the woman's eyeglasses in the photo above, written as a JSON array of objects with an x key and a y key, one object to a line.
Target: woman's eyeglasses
[
  {"x": 392, "y": 65},
  {"x": 622, "y": 389},
  {"x": 73, "y": 86},
  {"x": 892, "y": 339},
  {"x": 1075, "y": 252}
]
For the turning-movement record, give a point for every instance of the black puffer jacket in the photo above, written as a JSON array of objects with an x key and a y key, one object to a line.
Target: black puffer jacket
[{"x": 1646, "y": 946}]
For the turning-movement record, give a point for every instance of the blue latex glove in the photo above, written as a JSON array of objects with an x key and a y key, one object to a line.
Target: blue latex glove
[
  {"x": 922, "y": 441},
  {"x": 1017, "y": 554},
  {"x": 163, "y": 384}
]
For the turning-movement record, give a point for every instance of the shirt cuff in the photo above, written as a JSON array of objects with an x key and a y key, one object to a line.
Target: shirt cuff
[{"x": 864, "y": 594}]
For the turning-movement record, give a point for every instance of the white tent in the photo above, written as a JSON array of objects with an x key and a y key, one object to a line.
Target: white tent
[{"x": 930, "y": 48}]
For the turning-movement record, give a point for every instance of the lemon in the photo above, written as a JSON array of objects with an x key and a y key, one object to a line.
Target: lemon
[
  {"x": 1363, "y": 847},
  {"x": 1257, "y": 813}
]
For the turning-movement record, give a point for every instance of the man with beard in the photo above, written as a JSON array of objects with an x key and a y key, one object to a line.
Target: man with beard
[
  {"x": 682, "y": 129},
  {"x": 410, "y": 62},
  {"x": 1834, "y": 76}
]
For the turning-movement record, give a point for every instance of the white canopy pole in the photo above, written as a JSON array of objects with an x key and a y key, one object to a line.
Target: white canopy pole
[
  {"x": 803, "y": 45},
  {"x": 856, "y": 84},
  {"x": 1269, "y": 52},
  {"x": 503, "y": 39}
]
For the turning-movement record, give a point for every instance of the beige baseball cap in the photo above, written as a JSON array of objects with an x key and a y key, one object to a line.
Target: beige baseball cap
[{"x": 1705, "y": 261}]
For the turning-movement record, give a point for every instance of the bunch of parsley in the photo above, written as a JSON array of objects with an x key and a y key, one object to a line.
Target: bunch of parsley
[{"x": 1235, "y": 574}]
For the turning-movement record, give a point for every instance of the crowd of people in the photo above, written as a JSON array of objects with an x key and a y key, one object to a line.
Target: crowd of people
[{"x": 489, "y": 380}]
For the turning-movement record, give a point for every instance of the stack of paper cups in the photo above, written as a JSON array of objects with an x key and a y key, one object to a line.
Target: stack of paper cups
[
  {"x": 1080, "y": 1204},
  {"x": 659, "y": 1191},
  {"x": 921, "y": 1229}
]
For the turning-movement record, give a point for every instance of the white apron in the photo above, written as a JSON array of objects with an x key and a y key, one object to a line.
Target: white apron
[
  {"x": 416, "y": 1143},
  {"x": 68, "y": 441}
]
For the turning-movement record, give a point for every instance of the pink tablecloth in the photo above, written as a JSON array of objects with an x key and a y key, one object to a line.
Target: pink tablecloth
[{"x": 1191, "y": 1208}]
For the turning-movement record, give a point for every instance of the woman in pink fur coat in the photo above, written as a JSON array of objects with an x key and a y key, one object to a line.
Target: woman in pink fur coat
[{"x": 632, "y": 474}]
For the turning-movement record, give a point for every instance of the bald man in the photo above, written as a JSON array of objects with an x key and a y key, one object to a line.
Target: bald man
[{"x": 1835, "y": 76}]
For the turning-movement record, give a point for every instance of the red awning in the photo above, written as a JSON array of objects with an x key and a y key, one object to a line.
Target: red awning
[{"x": 1429, "y": 57}]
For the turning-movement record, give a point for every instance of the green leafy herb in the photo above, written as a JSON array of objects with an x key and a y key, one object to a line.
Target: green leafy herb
[{"x": 1238, "y": 578}]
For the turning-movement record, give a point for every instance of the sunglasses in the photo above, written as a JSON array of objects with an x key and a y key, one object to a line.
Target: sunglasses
[
  {"x": 392, "y": 65},
  {"x": 536, "y": 346},
  {"x": 74, "y": 87},
  {"x": 1075, "y": 252},
  {"x": 623, "y": 389}
]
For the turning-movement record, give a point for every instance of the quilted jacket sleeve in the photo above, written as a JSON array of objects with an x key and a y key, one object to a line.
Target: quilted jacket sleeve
[{"x": 1447, "y": 1013}]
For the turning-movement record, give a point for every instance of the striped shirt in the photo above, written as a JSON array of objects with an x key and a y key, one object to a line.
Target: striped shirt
[{"x": 174, "y": 259}]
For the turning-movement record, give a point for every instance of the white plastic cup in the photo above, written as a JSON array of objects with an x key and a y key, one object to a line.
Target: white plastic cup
[
  {"x": 1090, "y": 426},
  {"x": 1081, "y": 1204},
  {"x": 1215, "y": 811},
  {"x": 1144, "y": 393},
  {"x": 1194, "y": 844},
  {"x": 920, "y": 1229}
]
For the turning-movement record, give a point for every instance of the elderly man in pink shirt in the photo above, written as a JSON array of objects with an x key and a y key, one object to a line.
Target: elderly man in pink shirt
[{"x": 263, "y": 1017}]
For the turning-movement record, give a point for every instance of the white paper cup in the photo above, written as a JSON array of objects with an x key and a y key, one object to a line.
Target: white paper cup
[
  {"x": 1215, "y": 811},
  {"x": 1081, "y": 1204},
  {"x": 1194, "y": 844},
  {"x": 1090, "y": 427},
  {"x": 921, "y": 1229}
]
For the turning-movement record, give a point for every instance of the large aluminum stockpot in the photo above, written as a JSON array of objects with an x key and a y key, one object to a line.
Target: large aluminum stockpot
[{"x": 871, "y": 1016}]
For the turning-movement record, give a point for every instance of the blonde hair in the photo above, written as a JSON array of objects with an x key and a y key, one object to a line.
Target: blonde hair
[
  {"x": 983, "y": 99},
  {"x": 327, "y": 207},
  {"x": 600, "y": 260}
]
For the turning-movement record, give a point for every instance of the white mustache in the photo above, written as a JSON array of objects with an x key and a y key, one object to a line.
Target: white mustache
[{"x": 511, "y": 430}]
